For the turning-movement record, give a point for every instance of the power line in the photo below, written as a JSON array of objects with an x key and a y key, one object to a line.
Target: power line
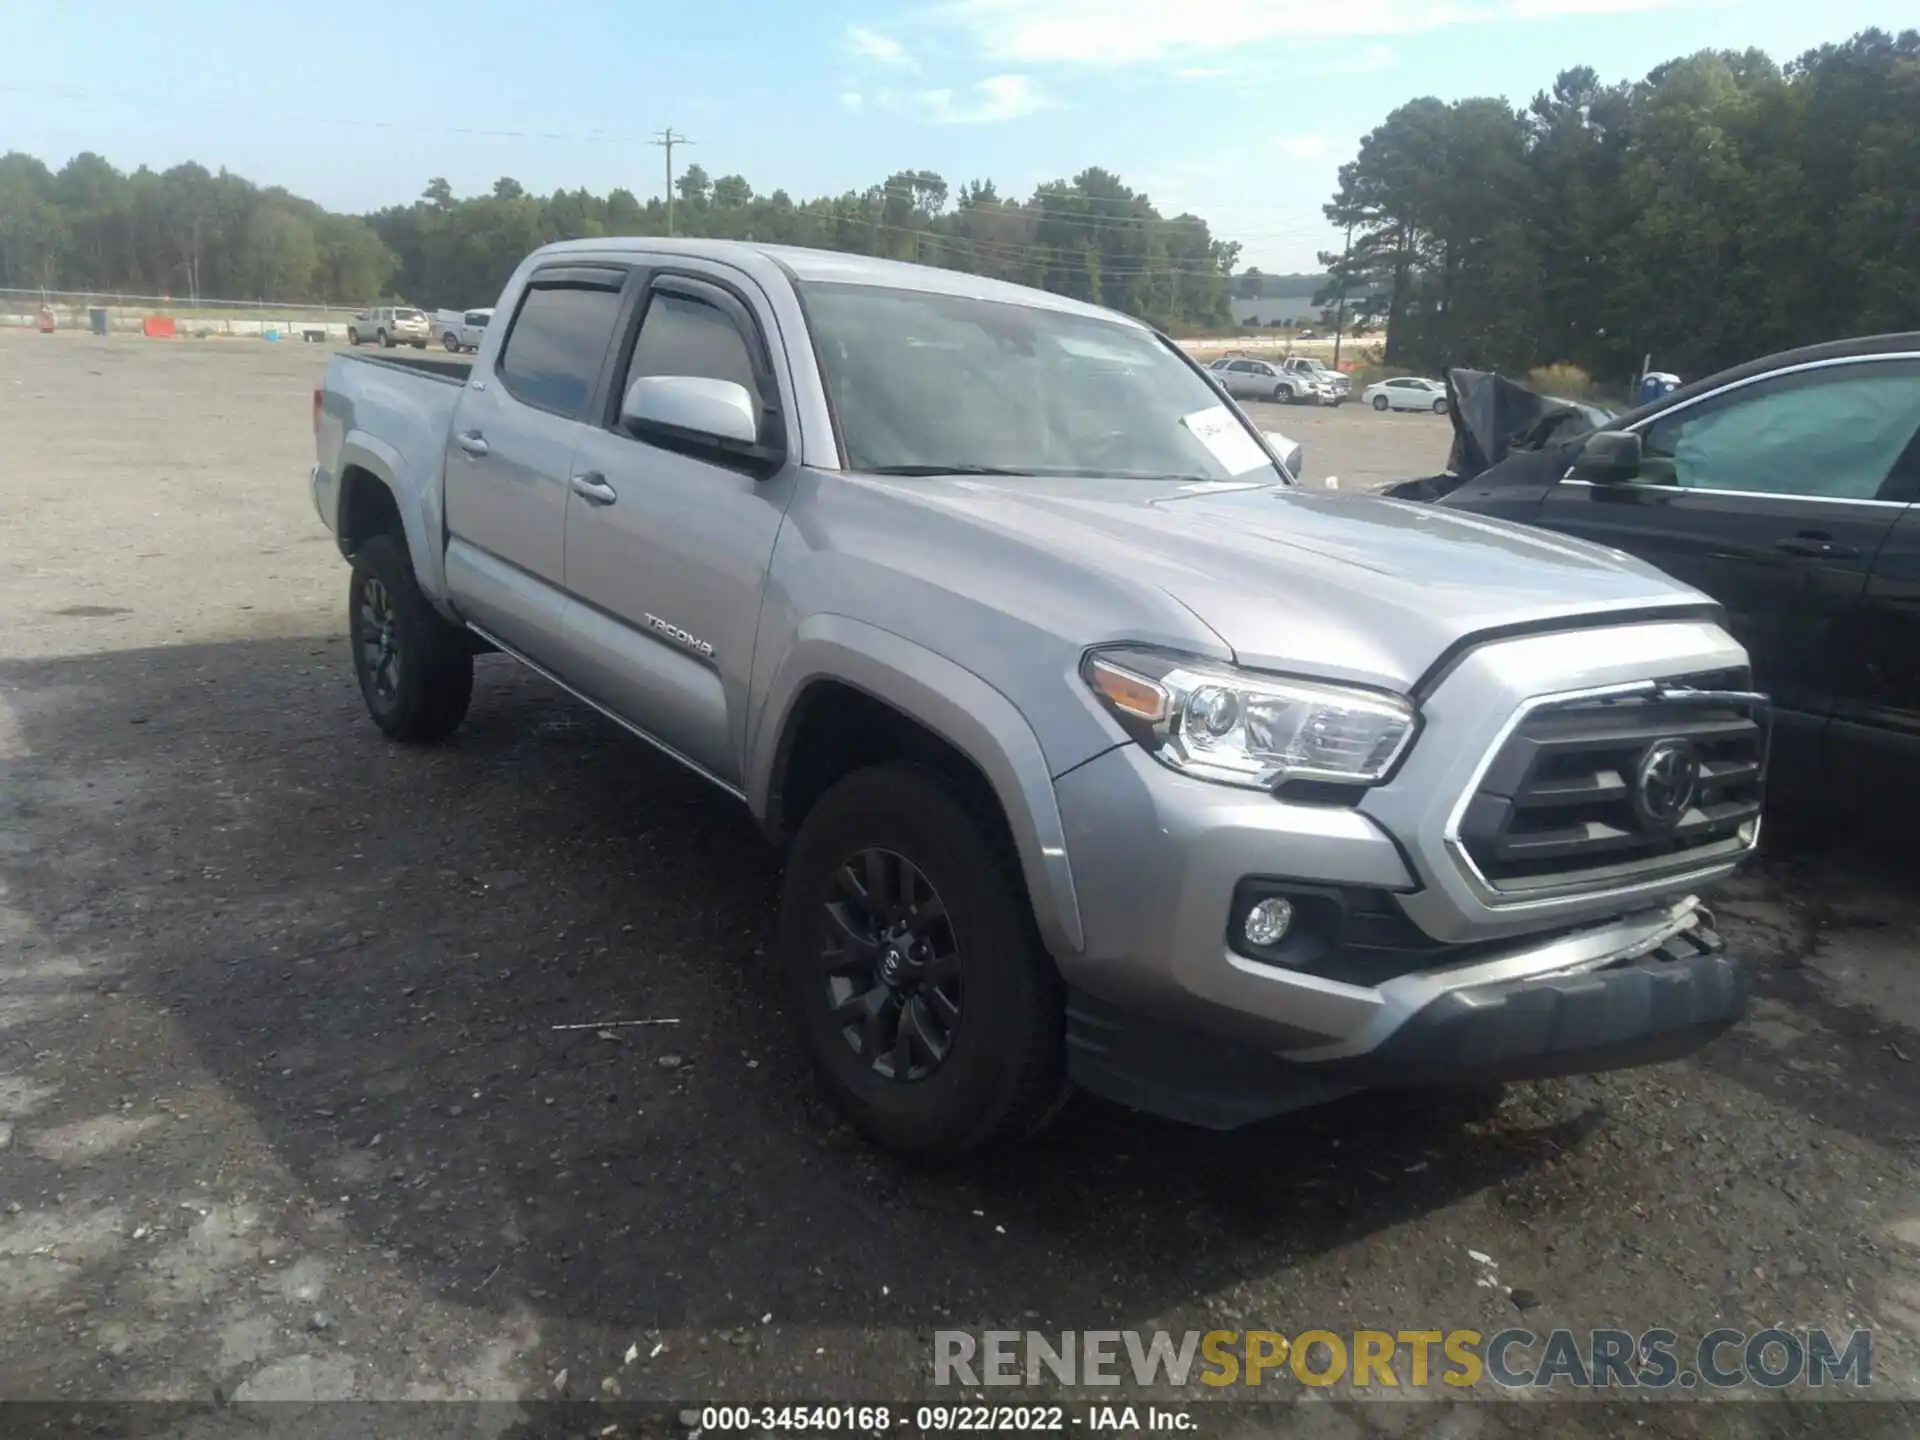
[
  {"x": 601, "y": 137},
  {"x": 1014, "y": 254}
]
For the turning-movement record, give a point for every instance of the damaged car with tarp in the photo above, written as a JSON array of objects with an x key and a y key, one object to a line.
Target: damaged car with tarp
[{"x": 1784, "y": 488}]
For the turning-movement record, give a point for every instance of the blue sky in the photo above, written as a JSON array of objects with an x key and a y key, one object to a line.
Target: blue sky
[{"x": 1240, "y": 110}]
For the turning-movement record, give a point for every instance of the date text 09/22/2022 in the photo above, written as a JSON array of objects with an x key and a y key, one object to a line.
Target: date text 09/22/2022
[{"x": 945, "y": 1419}]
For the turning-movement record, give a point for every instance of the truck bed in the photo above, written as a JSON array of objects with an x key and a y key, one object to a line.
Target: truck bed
[{"x": 390, "y": 415}]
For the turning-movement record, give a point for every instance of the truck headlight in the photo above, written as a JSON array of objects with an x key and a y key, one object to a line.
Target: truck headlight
[{"x": 1238, "y": 727}]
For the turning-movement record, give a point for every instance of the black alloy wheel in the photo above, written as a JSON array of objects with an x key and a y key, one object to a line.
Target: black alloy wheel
[
  {"x": 378, "y": 636},
  {"x": 918, "y": 983},
  {"x": 415, "y": 668},
  {"x": 891, "y": 966}
]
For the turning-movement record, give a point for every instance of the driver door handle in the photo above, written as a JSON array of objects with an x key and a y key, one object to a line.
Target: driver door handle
[
  {"x": 473, "y": 442},
  {"x": 1816, "y": 545},
  {"x": 593, "y": 488}
]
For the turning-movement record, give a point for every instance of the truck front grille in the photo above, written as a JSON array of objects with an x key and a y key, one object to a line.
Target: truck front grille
[{"x": 1602, "y": 791}]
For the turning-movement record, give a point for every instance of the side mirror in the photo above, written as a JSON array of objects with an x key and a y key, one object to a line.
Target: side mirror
[
  {"x": 1608, "y": 457},
  {"x": 694, "y": 412},
  {"x": 1292, "y": 453}
]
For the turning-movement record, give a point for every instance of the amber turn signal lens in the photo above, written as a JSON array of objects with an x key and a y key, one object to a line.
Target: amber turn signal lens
[{"x": 1127, "y": 692}]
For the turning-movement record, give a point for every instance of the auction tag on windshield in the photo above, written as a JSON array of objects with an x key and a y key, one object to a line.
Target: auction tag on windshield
[{"x": 1227, "y": 438}]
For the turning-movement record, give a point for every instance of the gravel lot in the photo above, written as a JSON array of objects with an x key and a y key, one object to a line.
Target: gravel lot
[{"x": 284, "y": 1114}]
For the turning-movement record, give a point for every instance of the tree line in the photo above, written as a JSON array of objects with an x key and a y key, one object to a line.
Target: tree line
[
  {"x": 187, "y": 231},
  {"x": 1720, "y": 208},
  {"x": 1091, "y": 237},
  {"x": 181, "y": 232}
]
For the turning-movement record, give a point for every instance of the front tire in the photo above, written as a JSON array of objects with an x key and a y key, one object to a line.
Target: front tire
[
  {"x": 1380, "y": 403},
  {"x": 415, "y": 668},
  {"x": 353, "y": 336},
  {"x": 1282, "y": 395},
  {"x": 918, "y": 983},
  {"x": 1439, "y": 407}
]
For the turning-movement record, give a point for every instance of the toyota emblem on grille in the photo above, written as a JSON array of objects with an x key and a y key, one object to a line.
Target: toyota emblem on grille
[{"x": 1665, "y": 784}]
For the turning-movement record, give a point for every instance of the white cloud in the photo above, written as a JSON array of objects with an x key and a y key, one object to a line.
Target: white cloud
[
  {"x": 1373, "y": 58},
  {"x": 1130, "y": 32},
  {"x": 1304, "y": 147},
  {"x": 881, "y": 49},
  {"x": 853, "y": 99},
  {"x": 986, "y": 102},
  {"x": 1548, "y": 9},
  {"x": 1299, "y": 62}
]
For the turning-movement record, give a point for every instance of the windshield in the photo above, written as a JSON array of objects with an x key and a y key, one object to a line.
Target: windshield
[{"x": 937, "y": 384}]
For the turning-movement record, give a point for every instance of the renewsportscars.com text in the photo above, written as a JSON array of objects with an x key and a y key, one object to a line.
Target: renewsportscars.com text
[{"x": 1603, "y": 1359}]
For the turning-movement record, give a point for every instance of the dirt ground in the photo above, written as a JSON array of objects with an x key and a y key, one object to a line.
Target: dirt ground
[{"x": 285, "y": 1111}]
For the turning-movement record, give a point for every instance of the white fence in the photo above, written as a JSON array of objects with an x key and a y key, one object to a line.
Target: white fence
[{"x": 128, "y": 314}]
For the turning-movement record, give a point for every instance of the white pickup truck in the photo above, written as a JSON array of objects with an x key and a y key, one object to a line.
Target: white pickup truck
[
  {"x": 462, "y": 329},
  {"x": 1101, "y": 752}
]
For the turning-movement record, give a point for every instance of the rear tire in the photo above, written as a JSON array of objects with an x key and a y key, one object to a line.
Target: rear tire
[
  {"x": 934, "y": 1036},
  {"x": 1380, "y": 403},
  {"x": 386, "y": 341},
  {"x": 415, "y": 668},
  {"x": 452, "y": 342}
]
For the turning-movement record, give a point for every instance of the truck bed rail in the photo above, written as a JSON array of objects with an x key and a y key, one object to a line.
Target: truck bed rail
[{"x": 450, "y": 371}]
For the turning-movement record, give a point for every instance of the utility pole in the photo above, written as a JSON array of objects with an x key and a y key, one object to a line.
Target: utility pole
[
  {"x": 1340, "y": 305},
  {"x": 666, "y": 141}
]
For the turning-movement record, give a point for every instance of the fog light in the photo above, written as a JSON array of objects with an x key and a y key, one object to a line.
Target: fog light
[{"x": 1268, "y": 921}]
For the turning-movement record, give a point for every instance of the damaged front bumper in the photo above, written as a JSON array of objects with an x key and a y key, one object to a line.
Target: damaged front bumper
[{"x": 1647, "y": 988}]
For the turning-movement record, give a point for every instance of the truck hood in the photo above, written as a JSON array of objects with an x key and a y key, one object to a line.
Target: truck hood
[{"x": 1341, "y": 586}]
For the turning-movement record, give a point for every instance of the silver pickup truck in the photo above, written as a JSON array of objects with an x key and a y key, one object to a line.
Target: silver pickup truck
[{"x": 1102, "y": 753}]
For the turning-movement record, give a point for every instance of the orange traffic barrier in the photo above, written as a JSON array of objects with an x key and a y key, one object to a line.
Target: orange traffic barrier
[{"x": 159, "y": 327}]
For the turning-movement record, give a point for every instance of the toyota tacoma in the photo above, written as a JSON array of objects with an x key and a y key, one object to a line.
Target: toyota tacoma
[{"x": 1102, "y": 754}]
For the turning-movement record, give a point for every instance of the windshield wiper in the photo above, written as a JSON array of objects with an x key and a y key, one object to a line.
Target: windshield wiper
[
  {"x": 944, "y": 470},
  {"x": 1038, "y": 472}
]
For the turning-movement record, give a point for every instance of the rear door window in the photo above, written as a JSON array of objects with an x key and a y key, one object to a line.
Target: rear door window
[{"x": 558, "y": 341}]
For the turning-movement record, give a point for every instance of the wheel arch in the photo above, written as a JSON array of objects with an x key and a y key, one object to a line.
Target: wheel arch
[
  {"x": 374, "y": 500},
  {"x": 849, "y": 694}
]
